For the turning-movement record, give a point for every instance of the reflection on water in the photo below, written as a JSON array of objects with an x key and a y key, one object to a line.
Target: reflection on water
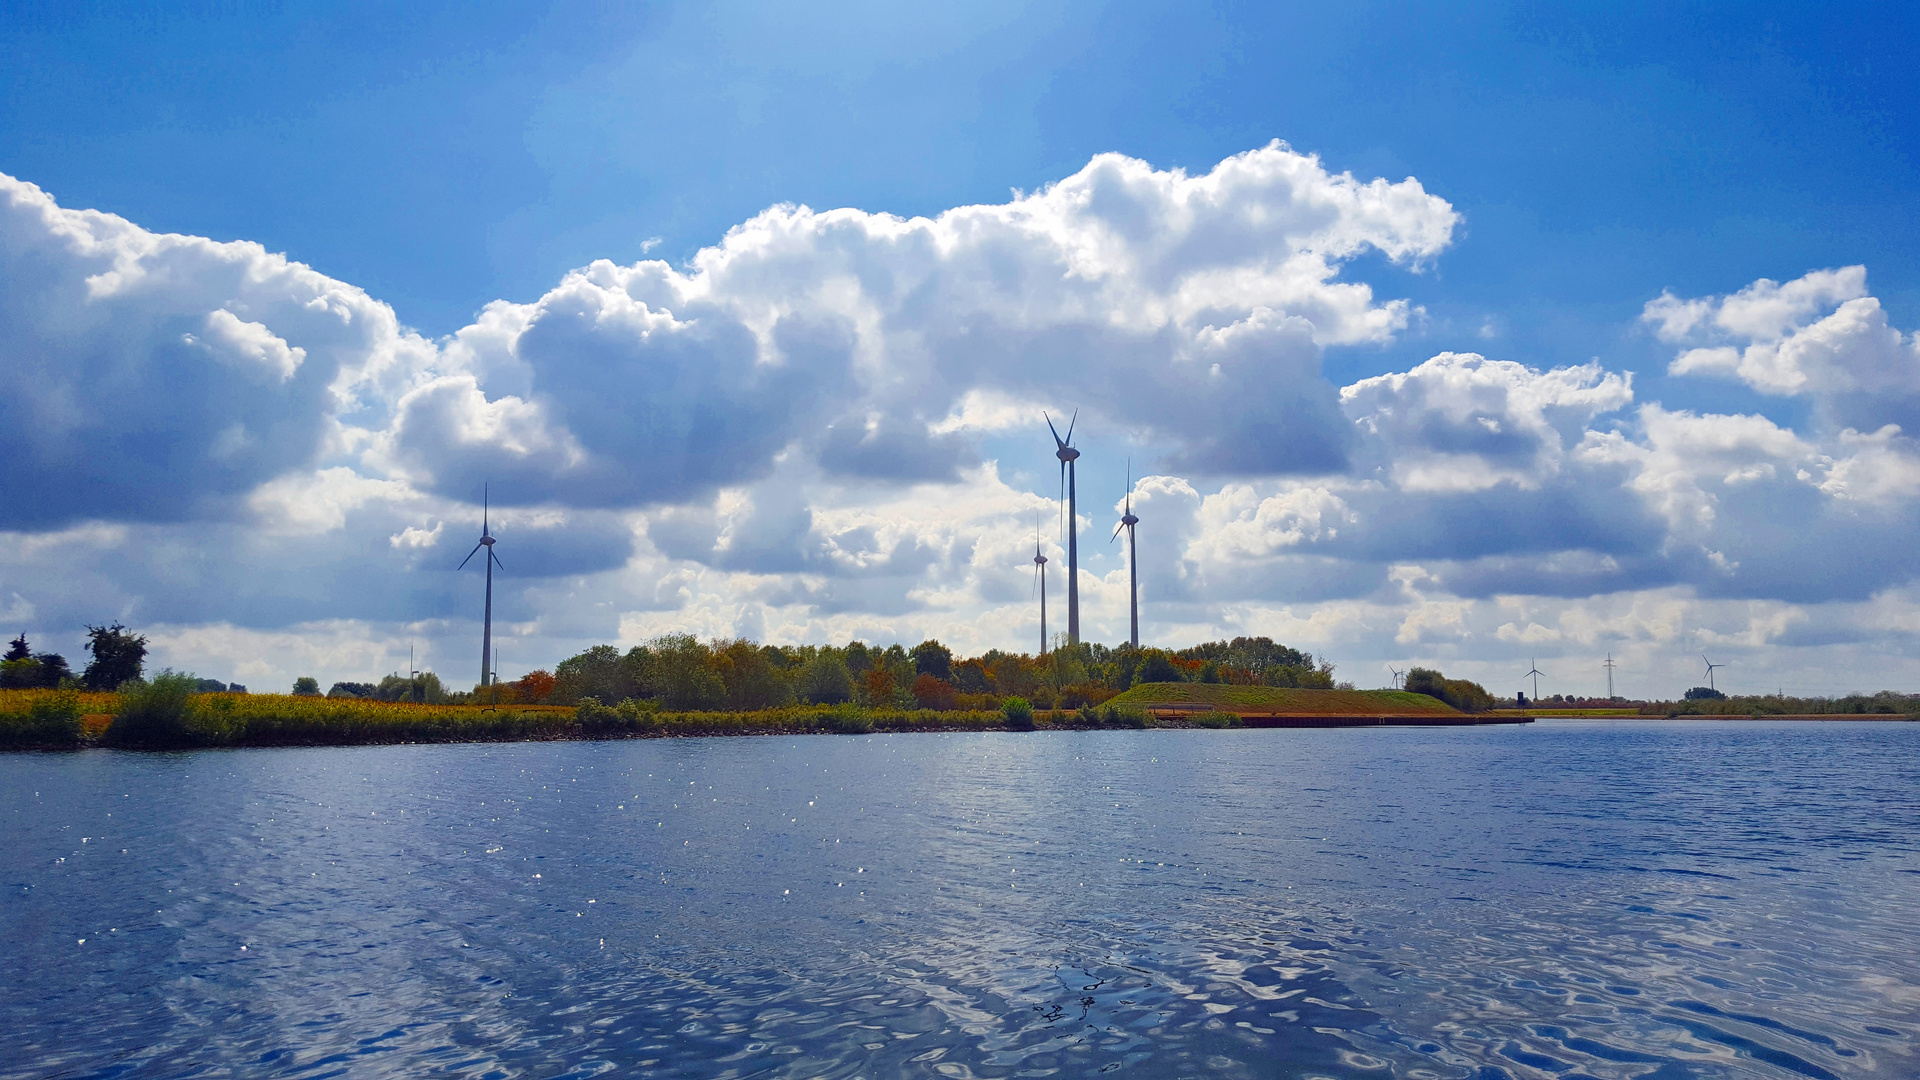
[{"x": 1712, "y": 900}]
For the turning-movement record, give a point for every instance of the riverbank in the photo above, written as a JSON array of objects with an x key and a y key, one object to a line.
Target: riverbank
[{"x": 48, "y": 720}]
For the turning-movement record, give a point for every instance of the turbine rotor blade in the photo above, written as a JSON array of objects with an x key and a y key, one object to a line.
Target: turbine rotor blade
[
  {"x": 469, "y": 558},
  {"x": 1070, "y": 423},
  {"x": 1116, "y": 532},
  {"x": 496, "y": 559},
  {"x": 1056, "y": 431}
]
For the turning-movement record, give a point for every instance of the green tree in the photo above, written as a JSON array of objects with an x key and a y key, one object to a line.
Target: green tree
[
  {"x": 932, "y": 658},
  {"x": 119, "y": 655},
  {"x": 600, "y": 672},
  {"x": 1158, "y": 666},
  {"x": 18, "y": 650},
  {"x": 682, "y": 674},
  {"x": 751, "y": 679},
  {"x": 825, "y": 680},
  {"x": 306, "y": 686}
]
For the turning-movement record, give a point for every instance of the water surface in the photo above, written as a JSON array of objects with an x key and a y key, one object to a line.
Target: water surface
[{"x": 1568, "y": 899}]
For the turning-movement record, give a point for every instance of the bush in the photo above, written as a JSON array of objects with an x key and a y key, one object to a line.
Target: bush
[
  {"x": 849, "y": 719},
  {"x": 1217, "y": 719},
  {"x": 1705, "y": 693},
  {"x": 1019, "y": 713},
  {"x": 163, "y": 712},
  {"x": 1125, "y": 716},
  {"x": 630, "y": 714},
  {"x": 1459, "y": 693}
]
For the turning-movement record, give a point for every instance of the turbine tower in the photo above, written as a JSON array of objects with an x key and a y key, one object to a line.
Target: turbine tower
[
  {"x": 1067, "y": 455},
  {"x": 1127, "y": 522},
  {"x": 486, "y": 631},
  {"x": 1609, "y": 665},
  {"x": 1710, "y": 666},
  {"x": 1040, "y": 583},
  {"x": 1535, "y": 673}
]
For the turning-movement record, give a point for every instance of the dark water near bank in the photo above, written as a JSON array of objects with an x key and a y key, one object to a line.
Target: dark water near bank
[{"x": 1568, "y": 900}]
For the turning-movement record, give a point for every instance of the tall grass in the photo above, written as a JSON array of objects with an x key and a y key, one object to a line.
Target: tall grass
[
  {"x": 164, "y": 714},
  {"x": 40, "y": 719}
]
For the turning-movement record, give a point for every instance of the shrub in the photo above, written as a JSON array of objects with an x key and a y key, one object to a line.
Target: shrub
[
  {"x": 1019, "y": 713},
  {"x": 630, "y": 714},
  {"x": 1459, "y": 693},
  {"x": 162, "y": 712},
  {"x": 1217, "y": 719},
  {"x": 849, "y": 719},
  {"x": 1705, "y": 693},
  {"x": 1125, "y": 716}
]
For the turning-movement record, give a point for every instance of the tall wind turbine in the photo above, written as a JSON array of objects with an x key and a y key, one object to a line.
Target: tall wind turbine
[
  {"x": 1398, "y": 675},
  {"x": 1710, "y": 666},
  {"x": 1064, "y": 450},
  {"x": 1040, "y": 582},
  {"x": 1535, "y": 673},
  {"x": 486, "y": 632},
  {"x": 1127, "y": 522}
]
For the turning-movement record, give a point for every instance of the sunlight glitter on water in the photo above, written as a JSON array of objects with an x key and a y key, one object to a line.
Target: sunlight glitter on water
[{"x": 1693, "y": 900}]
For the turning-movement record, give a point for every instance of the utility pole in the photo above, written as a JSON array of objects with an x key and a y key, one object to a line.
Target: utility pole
[{"x": 1609, "y": 665}]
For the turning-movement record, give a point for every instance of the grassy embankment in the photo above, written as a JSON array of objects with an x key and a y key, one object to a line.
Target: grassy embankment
[
  {"x": 45, "y": 719},
  {"x": 1278, "y": 701},
  {"x": 165, "y": 716}
]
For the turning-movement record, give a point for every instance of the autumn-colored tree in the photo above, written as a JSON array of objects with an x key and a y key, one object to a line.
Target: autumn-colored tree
[
  {"x": 877, "y": 681},
  {"x": 535, "y": 687},
  {"x": 934, "y": 693}
]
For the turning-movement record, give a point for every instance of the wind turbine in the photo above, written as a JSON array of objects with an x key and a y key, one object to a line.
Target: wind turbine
[
  {"x": 1398, "y": 675},
  {"x": 486, "y": 541},
  {"x": 1127, "y": 522},
  {"x": 1535, "y": 673},
  {"x": 1040, "y": 582},
  {"x": 1710, "y": 666},
  {"x": 1067, "y": 455}
]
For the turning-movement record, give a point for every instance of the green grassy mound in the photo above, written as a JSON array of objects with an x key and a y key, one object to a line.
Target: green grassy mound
[{"x": 1271, "y": 700}]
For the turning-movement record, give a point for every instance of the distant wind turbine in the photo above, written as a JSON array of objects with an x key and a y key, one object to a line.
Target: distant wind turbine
[
  {"x": 1398, "y": 675},
  {"x": 1710, "y": 666},
  {"x": 1040, "y": 582},
  {"x": 1067, "y": 455},
  {"x": 1535, "y": 673},
  {"x": 1127, "y": 522},
  {"x": 486, "y": 541}
]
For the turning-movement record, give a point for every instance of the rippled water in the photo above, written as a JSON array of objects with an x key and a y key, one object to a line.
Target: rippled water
[{"x": 1599, "y": 900}]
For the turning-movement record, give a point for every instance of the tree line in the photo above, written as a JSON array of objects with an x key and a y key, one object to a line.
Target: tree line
[{"x": 684, "y": 674}]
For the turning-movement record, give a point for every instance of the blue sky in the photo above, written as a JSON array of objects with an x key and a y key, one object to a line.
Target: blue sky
[{"x": 444, "y": 157}]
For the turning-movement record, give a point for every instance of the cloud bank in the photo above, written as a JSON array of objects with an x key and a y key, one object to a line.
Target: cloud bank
[{"x": 804, "y": 434}]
